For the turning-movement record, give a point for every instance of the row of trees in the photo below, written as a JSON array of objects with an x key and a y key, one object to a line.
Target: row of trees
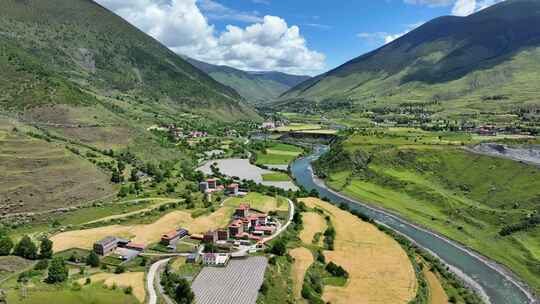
[{"x": 25, "y": 248}]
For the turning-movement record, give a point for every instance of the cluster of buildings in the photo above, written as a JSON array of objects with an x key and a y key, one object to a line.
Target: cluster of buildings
[
  {"x": 178, "y": 133},
  {"x": 274, "y": 124},
  {"x": 212, "y": 185},
  {"x": 246, "y": 225},
  {"x": 126, "y": 250},
  {"x": 122, "y": 248}
]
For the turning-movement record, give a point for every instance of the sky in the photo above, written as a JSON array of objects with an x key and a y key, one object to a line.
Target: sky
[{"x": 303, "y": 37}]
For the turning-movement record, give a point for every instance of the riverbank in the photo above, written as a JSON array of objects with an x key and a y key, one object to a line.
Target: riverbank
[
  {"x": 501, "y": 269},
  {"x": 494, "y": 281}
]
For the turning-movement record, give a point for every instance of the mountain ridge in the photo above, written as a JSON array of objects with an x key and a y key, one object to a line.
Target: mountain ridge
[
  {"x": 448, "y": 58},
  {"x": 254, "y": 86}
]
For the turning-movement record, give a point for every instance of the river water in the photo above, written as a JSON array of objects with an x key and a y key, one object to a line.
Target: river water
[{"x": 484, "y": 275}]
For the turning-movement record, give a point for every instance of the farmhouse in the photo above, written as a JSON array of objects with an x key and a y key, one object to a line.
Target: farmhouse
[
  {"x": 106, "y": 245},
  {"x": 235, "y": 228},
  {"x": 173, "y": 236},
  {"x": 242, "y": 210},
  {"x": 232, "y": 189}
]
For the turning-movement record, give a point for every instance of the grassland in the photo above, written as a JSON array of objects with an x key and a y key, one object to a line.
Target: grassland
[
  {"x": 381, "y": 271},
  {"x": 95, "y": 293},
  {"x": 134, "y": 280},
  {"x": 427, "y": 178}
]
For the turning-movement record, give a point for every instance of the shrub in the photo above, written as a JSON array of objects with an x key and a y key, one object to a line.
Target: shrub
[
  {"x": 58, "y": 271},
  {"x": 42, "y": 265}
]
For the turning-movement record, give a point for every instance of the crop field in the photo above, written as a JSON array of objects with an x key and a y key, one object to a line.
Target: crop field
[
  {"x": 260, "y": 202},
  {"x": 146, "y": 234},
  {"x": 276, "y": 177},
  {"x": 302, "y": 260},
  {"x": 237, "y": 283},
  {"x": 297, "y": 127},
  {"x": 36, "y": 175},
  {"x": 380, "y": 271},
  {"x": 467, "y": 197},
  {"x": 278, "y": 154},
  {"x": 313, "y": 223},
  {"x": 133, "y": 279},
  {"x": 437, "y": 293}
]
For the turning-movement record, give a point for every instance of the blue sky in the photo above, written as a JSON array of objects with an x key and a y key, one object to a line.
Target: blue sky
[
  {"x": 336, "y": 29},
  {"x": 292, "y": 36}
]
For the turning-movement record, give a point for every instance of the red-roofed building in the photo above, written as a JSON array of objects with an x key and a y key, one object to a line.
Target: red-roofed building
[
  {"x": 135, "y": 246},
  {"x": 242, "y": 210},
  {"x": 266, "y": 229},
  {"x": 212, "y": 183},
  {"x": 173, "y": 236},
  {"x": 235, "y": 228},
  {"x": 232, "y": 189}
]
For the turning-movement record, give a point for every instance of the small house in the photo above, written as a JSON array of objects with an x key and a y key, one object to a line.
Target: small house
[{"x": 106, "y": 245}]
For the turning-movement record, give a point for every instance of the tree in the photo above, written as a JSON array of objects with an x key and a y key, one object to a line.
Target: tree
[
  {"x": 116, "y": 178},
  {"x": 6, "y": 244},
  {"x": 46, "y": 249},
  {"x": 183, "y": 293},
  {"x": 92, "y": 259},
  {"x": 26, "y": 248},
  {"x": 58, "y": 271},
  {"x": 279, "y": 248}
]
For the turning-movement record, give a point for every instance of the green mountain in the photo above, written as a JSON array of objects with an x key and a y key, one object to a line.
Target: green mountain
[
  {"x": 73, "y": 52},
  {"x": 255, "y": 87},
  {"x": 77, "y": 82},
  {"x": 451, "y": 66}
]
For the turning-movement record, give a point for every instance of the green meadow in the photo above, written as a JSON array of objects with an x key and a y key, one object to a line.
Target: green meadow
[{"x": 430, "y": 179}]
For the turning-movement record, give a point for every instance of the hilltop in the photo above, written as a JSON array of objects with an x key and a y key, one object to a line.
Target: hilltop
[
  {"x": 255, "y": 87},
  {"x": 454, "y": 67}
]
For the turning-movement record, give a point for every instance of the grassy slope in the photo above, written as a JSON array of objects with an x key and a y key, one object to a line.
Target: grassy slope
[
  {"x": 464, "y": 196},
  {"x": 449, "y": 65},
  {"x": 54, "y": 49},
  {"x": 37, "y": 175}
]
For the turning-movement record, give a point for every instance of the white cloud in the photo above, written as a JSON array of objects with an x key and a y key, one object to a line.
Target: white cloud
[
  {"x": 460, "y": 7},
  {"x": 269, "y": 43},
  {"x": 384, "y": 37}
]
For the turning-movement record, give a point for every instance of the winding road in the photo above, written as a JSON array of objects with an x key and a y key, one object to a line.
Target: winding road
[{"x": 151, "y": 280}]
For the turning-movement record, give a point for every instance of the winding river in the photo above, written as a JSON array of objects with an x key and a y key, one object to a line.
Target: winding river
[{"x": 491, "y": 280}]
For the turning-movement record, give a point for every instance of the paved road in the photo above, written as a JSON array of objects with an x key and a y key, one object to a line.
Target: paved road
[
  {"x": 283, "y": 227},
  {"x": 151, "y": 280}
]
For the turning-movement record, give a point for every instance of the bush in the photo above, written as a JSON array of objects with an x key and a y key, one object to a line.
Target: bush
[
  {"x": 120, "y": 269},
  {"x": 92, "y": 260},
  {"x": 46, "y": 249},
  {"x": 42, "y": 265},
  {"x": 6, "y": 244},
  {"x": 128, "y": 290},
  {"x": 336, "y": 270}
]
